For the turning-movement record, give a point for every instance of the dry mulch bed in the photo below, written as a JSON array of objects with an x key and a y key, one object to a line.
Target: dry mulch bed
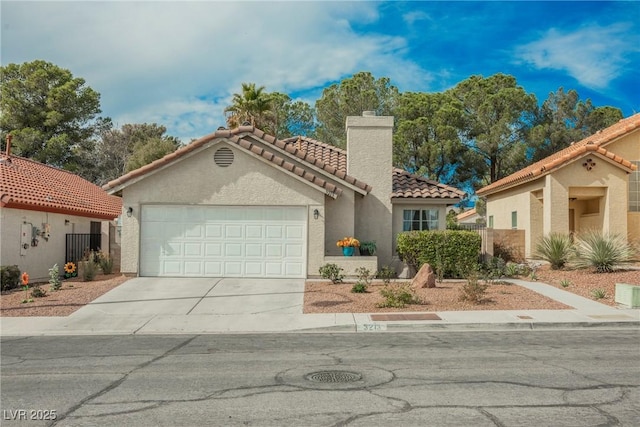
[
  {"x": 73, "y": 295},
  {"x": 325, "y": 297}
]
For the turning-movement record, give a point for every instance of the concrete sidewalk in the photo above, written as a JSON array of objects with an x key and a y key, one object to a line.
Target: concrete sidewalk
[{"x": 211, "y": 306}]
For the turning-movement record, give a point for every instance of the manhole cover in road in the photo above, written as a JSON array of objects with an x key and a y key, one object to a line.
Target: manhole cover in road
[{"x": 334, "y": 377}]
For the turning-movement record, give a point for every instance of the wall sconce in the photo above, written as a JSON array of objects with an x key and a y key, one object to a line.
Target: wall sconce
[
  {"x": 66, "y": 222},
  {"x": 316, "y": 213},
  {"x": 129, "y": 211}
]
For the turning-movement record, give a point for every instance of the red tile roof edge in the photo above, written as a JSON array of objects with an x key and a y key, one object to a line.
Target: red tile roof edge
[
  {"x": 441, "y": 187},
  {"x": 237, "y": 136},
  {"x": 31, "y": 185},
  {"x": 591, "y": 143}
]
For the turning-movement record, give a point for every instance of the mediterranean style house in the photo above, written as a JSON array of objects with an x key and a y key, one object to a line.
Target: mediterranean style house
[
  {"x": 592, "y": 184},
  {"x": 41, "y": 206},
  {"x": 241, "y": 203}
]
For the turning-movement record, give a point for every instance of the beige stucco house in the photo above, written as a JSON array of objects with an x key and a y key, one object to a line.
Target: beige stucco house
[
  {"x": 40, "y": 207},
  {"x": 592, "y": 184},
  {"x": 240, "y": 203}
]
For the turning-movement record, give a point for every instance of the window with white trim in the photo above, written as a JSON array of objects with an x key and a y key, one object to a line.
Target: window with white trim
[{"x": 420, "y": 219}]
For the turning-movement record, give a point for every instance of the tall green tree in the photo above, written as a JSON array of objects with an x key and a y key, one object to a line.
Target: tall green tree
[
  {"x": 427, "y": 139},
  {"x": 290, "y": 118},
  {"x": 563, "y": 118},
  {"x": 51, "y": 114},
  {"x": 498, "y": 114},
  {"x": 119, "y": 151},
  {"x": 252, "y": 105},
  {"x": 350, "y": 97}
]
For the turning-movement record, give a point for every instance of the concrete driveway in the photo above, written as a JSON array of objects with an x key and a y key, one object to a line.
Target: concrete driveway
[{"x": 193, "y": 296}]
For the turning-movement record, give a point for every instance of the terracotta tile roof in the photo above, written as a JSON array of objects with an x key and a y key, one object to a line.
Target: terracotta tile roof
[
  {"x": 27, "y": 184},
  {"x": 254, "y": 140},
  {"x": 330, "y": 159},
  {"x": 466, "y": 214},
  {"x": 329, "y": 154},
  {"x": 410, "y": 186},
  {"x": 592, "y": 144}
]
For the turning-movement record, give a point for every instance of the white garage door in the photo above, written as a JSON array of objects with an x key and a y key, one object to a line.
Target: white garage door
[{"x": 223, "y": 241}]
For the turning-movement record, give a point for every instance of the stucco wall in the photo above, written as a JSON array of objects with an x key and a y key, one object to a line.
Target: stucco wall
[
  {"x": 525, "y": 203},
  {"x": 37, "y": 260},
  {"x": 369, "y": 158},
  {"x": 340, "y": 220},
  {"x": 198, "y": 180},
  {"x": 633, "y": 226},
  {"x": 627, "y": 147}
]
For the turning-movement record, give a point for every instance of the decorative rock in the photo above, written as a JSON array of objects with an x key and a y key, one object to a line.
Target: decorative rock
[{"x": 426, "y": 278}]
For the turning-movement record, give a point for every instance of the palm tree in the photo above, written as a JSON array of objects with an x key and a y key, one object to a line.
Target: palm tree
[{"x": 253, "y": 105}]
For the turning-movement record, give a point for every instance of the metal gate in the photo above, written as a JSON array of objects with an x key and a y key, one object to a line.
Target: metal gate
[{"x": 78, "y": 246}]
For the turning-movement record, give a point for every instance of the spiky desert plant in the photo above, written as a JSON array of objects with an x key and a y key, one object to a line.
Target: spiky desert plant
[
  {"x": 554, "y": 248},
  {"x": 604, "y": 252}
]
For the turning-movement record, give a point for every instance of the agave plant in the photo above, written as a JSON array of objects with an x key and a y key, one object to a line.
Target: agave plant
[
  {"x": 555, "y": 248},
  {"x": 604, "y": 252}
]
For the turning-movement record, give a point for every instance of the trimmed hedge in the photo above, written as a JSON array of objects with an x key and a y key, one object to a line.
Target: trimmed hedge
[
  {"x": 454, "y": 250},
  {"x": 9, "y": 277}
]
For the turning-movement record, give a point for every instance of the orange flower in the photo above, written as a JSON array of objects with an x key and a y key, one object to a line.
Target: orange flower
[
  {"x": 347, "y": 242},
  {"x": 69, "y": 267},
  {"x": 25, "y": 279}
]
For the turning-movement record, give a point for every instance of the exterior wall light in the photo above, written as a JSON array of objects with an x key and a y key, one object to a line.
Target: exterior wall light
[
  {"x": 129, "y": 211},
  {"x": 316, "y": 213}
]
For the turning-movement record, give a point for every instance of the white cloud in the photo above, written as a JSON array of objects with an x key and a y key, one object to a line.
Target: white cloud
[
  {"x": 594, "y": 55},
  {"x": 416, "y": 16},
  {"x": 162, "y": 61}
]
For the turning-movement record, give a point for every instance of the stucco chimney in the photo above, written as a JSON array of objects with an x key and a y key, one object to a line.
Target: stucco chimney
[{"x": 369, "y": 158}]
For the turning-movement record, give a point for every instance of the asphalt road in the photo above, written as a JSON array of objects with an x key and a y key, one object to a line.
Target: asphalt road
[{"x": 521, "y": 378}]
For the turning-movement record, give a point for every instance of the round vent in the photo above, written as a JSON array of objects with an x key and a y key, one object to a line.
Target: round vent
[{"x": 223, "y": 157}]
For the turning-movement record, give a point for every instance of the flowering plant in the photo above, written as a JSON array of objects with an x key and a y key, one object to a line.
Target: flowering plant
[
  {"x": 348, "y": 242},
  {"x": 70, "y": 270}
]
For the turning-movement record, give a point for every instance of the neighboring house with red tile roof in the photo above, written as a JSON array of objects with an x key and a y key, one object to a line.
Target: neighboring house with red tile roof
[
  {"x": 243, "y": 203},
  {"x": 592, "y": 184},
  {"x": 469, "y": 217},
  {"x": 39, "y": 206}
]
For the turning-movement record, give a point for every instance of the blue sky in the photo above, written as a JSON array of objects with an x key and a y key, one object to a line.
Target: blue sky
[{"x": 178, "y": 63}]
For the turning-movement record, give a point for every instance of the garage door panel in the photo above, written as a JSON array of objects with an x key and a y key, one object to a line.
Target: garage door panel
[
  {"x": 253, "y": 250},
  {"x": 223, "y": 241},
  {"x": 233, "y": 231}
]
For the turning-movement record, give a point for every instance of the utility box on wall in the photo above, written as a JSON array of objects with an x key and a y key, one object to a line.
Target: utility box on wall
[{"x": 628, "y": 295}]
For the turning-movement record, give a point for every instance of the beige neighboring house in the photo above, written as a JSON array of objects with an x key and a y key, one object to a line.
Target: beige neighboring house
[
  {"x": 469, "y": 217},
  {"x": 40, "y": 206},
  {"x": 592, "y": 184},
  {"x": 240, "y": 203}
]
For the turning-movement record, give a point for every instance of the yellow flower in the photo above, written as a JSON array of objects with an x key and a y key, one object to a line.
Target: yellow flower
[{"x": 69, "y": 267}]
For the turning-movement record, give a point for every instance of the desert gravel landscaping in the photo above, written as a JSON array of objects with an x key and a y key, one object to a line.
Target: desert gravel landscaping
[{"x": 324, "y": 297}]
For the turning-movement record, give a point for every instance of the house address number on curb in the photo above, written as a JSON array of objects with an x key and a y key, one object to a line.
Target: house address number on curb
[{"x": 371, "y": 327}]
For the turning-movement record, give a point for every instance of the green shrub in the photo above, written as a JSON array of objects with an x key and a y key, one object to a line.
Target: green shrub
[
  {"x": 451, "y": 247},
  {"x": 397, "y": 296},
  {"x": 89, "y": 270},
  {"x": 332, "y": 272},
  {"x": 565, "y": 283},
  {"x": 494, "y": 268},
  {"x": 106, "y": 263},
  {"x": 9, "y": 277},
  {"x": 598, "y": 293},
  {"x": 473, "y": 291},
  {"x": 386, "y": 273},
  {"x": 38, "y": 292},
  {"x": 359, "y": 287},
  {"x": 511, "y": 269},
  {"x": 555, "y": 248},
  {"x": 54, "y": 278},
  {"x": 604, "y": 252},
  {"x": 364, "y": 275}
]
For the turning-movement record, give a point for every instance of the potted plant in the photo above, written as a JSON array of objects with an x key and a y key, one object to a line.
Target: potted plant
[
  {"x": 367, "y": 248},
  {"x": 348, "y": 245}
]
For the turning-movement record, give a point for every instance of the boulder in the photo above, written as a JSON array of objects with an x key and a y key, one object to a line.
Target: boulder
[{"x": 426, "y": 278}]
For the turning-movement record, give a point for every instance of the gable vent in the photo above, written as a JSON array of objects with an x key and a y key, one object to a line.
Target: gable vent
[{"x": 223, "y": 157}]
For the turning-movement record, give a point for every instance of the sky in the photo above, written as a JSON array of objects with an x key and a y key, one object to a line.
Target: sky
[{"x": 178, "y": 63}]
